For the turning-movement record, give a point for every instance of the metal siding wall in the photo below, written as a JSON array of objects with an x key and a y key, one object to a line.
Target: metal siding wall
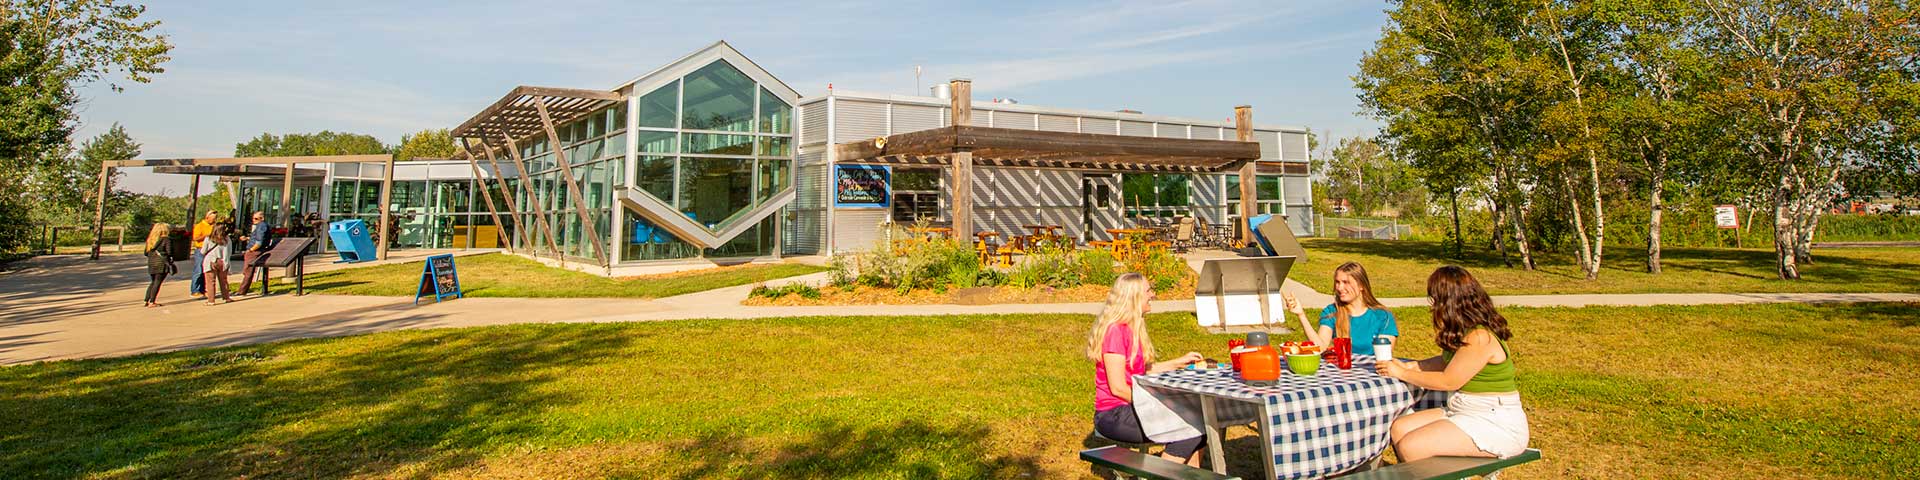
[
  {"x": 1028, "y": 197},
  {"x": 1269, "y": 144},
  {"x": 1209, "y": 133},
  {"x": 1298, "y": 190},
  {"x": 981, "y": 118},
  {"x": 1137, "y": 129},
  {"x": 857, "y": 229},
  {"x": 1171, "y": 130},
  {"x": 1058, "y": 123},
  {"x": 856, "y": 121},
  {"x": 1013, "y": 120},
  {"x": 813, "y": 123},
  {"x": 1103, "y": 126},
  {"x": 1208, "y": 198},
  {"x": 914, "y": 118},
  {"x": 805, "y": 231},
  {"x": 1293, "y": 146}
]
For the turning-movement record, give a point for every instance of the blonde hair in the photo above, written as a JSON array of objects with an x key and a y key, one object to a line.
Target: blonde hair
[
  {"x": 157, "y": 235},
  {"x": 1343, "y": 320},
  {"x": 1125, "y": 303}
]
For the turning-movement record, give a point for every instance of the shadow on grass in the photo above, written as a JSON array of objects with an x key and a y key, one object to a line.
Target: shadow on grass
[
  {"x": 909, "y": 449},
  {"x": 428, "y": 403}
]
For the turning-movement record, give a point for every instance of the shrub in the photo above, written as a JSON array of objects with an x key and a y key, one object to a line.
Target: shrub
[
  {"x": 1162, "y": 268},
  {"x": 801, "y": 289},
  {"x": 1096, "y": 267},
  {"x": 840, "y": 272},
  {"x": 903, "y": 262}
]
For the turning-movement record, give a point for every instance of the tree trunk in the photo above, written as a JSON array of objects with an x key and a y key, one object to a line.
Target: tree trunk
[
  {"x": 1459, "y": 242},
  {"x": 1803, "y": 236},
  {"x": 1579, "y": 229},
  {"x": 1520, "y": 236},
  {"x": 1655, "y": 210},
  {"x": 1783, "y": 235}
]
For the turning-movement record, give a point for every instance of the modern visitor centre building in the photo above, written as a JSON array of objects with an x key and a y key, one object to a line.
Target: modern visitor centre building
[{"x": 711, "y": 158}]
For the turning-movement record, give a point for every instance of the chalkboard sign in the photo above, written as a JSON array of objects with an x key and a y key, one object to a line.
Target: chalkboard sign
[
  {"x": 438, "y": 279},
  {"x": 862, "y": 186}
]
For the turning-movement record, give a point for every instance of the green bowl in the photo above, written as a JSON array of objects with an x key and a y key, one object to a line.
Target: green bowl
[{"x": 1303, "y": 364}]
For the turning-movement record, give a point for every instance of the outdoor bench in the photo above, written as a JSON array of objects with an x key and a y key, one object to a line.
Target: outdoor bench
[
  {"x": 1129, "y": 462},
  {"x": 1444, "y": 467}
]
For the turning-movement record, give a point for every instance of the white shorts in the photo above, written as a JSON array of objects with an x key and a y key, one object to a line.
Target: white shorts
[{"x": 1496, "y": 423}]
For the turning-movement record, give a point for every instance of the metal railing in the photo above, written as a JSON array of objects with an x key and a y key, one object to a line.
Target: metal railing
[{"x": 1366, "y": 228}]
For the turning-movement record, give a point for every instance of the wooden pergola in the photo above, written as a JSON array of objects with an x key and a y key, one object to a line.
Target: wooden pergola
[
  {"x": 283, "y": 167},
  {"x": 524, "y": 112},
  {"x": 960, "y": 146}
]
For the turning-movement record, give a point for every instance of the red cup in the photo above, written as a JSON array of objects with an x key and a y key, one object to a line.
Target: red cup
[
  {"x": 1235, "y": 344},
  {"x": 1341, "y": 353}
]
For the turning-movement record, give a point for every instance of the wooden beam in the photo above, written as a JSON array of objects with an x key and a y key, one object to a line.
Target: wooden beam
[
  {"x": 193, "y": 199},
  {"x": 516, "y": 99},
  {"x": 1249, "y": 197},
  {"x": 519, "y": 227},
  {"x": 526, "y": 184},
  {"x": 99, "y": 212},
  {"x": 161, "y": 162},
  {"x": 480, "y": 181},
  {"x": 960, "y": 102},
  {"x": 286, "y": 196},
  {"x": 386, "y": 207},
  {"x": 573, "y": 186},
  {"x": 962, "y": 161}
]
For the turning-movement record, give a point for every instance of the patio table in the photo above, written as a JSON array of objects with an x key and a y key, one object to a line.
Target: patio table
[{"x": 1309, "y": 426}]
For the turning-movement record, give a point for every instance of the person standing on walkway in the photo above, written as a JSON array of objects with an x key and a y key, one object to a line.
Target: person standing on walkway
[
  {"x": 215, "y": 253},
  {"x": 159, "y": 261},
  {"x": 197, "y": 287},
  {"x": 1483, "y": 417},
  {"x": 259, "y": 240}
]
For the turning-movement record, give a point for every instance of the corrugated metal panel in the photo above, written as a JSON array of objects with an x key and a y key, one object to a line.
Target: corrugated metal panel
[
  {"x": 1021, "y": 197},
  {"x": 1013, "y": 120},
  {"x": 857, "y": 228},
  {"x": 980, "y": 118},
  {"x": 856, "y": 121},
  {"x": 1170, "y": 130},
  {"x": 805, "y": 232},
  {"x": 1104, "y": 126},
  {"x": 1298, "y": 189},
  {"x": 1269, "y": 144},
  {"x": 914, "y": 118},
  {"x": 813, "y": 123},
  {"x": 1301, "y": 219},
  {"x": 1293, "y": 146},
  {"x": 1058, "y": 123},
  {"x": 1208, "y": 198},
  {"x": 1137, "y": 129},
  {"x": 1211, "y": 133},
  {"x": 811, "y": 155}
]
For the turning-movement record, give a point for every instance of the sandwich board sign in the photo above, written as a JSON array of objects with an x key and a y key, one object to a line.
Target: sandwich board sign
[
  {"x": 439, "y": 279},
  {"x": 1724, "y": 216}
]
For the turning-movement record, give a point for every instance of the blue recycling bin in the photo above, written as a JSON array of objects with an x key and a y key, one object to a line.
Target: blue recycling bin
[
  {"x": 1253, "y": 225},
  {"x": 353, "y": 241}
]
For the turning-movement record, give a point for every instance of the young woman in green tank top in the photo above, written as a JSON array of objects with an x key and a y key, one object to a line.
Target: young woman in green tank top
[{"x": 1483, "y": 418}]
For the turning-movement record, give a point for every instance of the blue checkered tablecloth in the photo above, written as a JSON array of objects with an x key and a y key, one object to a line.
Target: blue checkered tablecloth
[{"x": 1320, "y": 425}]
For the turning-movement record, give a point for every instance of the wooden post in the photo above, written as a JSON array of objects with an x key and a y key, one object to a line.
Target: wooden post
[
  {"x": 193, "y": 199},
  {"x": 1249, "y": 197},
  {"x": 523, "y": 234},
  {"x": 286, "y": 197},
  {"x": 386, "y": 207},
  {"x": 573, "y": 186},
  {"x": 499, "y": 229},
  {"x": 99, "y": 211},
  {"x": 526, "y": 184},
  {"x": 961, "y": 102}
]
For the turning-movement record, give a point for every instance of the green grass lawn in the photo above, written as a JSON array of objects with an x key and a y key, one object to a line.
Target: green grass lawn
[
  {"x": 1774, "y": 391},
  {"x": 496, "y": 275},
  {"x": 1400, "y": 269}
]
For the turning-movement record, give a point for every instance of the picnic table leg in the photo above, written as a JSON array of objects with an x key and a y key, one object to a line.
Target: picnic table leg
[
  {"x": 1266, "y": 440},
  {"x": 1216, "y": 451}
]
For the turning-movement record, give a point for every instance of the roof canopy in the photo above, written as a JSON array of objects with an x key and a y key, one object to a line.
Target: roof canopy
[
  {"x": 1035, "y": 148},
  {"x": 516, "y": 115},
  {"x": 241, "y": 171}
]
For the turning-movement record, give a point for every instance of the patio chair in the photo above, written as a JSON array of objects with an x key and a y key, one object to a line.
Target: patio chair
[{"x": 1183, "y": 235}]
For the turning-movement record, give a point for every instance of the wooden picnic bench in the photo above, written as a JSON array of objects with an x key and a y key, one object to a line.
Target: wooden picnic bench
[{"x": 1152, "y": 467}]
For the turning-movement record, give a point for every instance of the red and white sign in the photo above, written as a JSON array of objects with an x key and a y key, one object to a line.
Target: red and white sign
[{"x": 1725, "y": 216}]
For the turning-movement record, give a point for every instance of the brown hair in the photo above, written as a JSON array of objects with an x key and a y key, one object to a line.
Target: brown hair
[
  {"x": 1459, "y": 306},
  {"x": 1343, "y": 321}
]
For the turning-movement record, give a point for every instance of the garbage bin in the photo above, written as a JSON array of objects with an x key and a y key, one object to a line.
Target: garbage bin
[
  {"x": 181, "y": 240},
  {"x": 352, "y": 240}
]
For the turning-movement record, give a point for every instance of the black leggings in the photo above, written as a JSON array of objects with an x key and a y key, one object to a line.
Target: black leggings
[
  {"x": 153, "y": 286},
  {"x": 1120, "y": 423}
]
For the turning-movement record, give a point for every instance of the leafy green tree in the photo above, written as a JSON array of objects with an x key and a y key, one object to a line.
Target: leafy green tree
[
  {"x": 435, "y": 143},
  {"x": 308, "y": 144}
]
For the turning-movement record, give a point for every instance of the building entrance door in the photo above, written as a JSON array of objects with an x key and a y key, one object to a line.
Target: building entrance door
[{"x": 1098, "y": 209}]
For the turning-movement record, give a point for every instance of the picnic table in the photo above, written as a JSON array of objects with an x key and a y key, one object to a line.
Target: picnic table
[
  {"x": 1309, "y": 426},
  {"x": 931, "y": 232}
]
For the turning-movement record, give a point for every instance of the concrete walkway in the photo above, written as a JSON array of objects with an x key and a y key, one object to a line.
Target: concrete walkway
[{"x": 64, "y": 307}]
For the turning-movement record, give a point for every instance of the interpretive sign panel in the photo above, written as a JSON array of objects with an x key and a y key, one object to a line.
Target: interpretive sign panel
[
  {"x": 438, "y": 279},
  {"x": 862, "y": 186},
  {"x": 1725, "y": 216}
]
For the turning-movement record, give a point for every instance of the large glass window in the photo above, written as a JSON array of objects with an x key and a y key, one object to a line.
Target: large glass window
[
  {"x": 775, "y": 115},
  {"x": 713, "y": 189},
  {"x": 655, "y": 176},
  {"x": 773, "y": 177},
  {"x": 716, "y": 144},
  {"x": 661, "y": 107},
  {"x": 719, "y": 97},
  {"x": 775, "y": 147}
]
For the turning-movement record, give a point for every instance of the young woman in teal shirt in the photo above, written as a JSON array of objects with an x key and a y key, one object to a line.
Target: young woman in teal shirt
[{"x": 1354, "y": 314}]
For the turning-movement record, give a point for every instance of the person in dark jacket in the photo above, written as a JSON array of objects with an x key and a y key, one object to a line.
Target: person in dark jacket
[
  {"x": 259, "y": 241},
  {"x": 159, "y": 261}
]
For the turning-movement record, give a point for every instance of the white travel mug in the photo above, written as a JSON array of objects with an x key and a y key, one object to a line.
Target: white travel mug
[{"x": 1382, "y": 348}]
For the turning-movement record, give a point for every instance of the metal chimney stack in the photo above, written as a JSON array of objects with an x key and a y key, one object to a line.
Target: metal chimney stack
[{"x": 942, "y": 91}]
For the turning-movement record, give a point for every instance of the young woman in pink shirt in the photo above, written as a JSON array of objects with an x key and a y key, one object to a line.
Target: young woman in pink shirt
[{"x": 1120, "y": 348}]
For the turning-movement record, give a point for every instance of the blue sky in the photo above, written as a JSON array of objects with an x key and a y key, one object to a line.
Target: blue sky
[{"x": 243, "y": 68}]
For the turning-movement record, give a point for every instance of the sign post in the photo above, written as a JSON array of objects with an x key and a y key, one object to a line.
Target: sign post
[
  {"x": 438, "y": 279},
  {"x": 1727, "y": 217}
]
